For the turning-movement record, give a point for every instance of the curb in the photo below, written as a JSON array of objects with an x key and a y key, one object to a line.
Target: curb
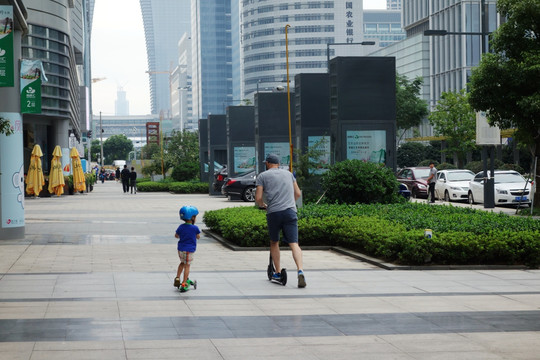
[{"x": 369, "y": 259}]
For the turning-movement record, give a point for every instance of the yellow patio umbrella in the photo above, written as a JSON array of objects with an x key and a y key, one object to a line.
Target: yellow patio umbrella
[
  {"x": 34, "y": 178},
  {"x": 56, "y": 176},
  {"x": 79, "y": 182}
]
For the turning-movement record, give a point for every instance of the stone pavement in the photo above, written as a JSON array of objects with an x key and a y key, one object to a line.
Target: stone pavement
[{"x": 93, "y": 280}]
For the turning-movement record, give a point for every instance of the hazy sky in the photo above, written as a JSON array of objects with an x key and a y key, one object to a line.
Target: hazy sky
[{"x": 119, "y": 55}]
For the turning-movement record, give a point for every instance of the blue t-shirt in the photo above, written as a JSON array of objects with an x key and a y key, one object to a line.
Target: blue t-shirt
[{"x": 188, "y": 237}]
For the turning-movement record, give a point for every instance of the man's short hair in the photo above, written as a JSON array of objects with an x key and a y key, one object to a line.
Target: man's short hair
[
  {"x": 432, "y": 163},
  {"x": 272, "y": 159}
]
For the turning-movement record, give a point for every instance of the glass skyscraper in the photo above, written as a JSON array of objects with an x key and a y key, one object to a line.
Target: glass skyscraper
[
  {"x": 165, "y": 21},
  {"x": 211, "y": 57}
]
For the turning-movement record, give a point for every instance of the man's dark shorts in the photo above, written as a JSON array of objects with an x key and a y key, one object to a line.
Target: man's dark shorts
[{"x": 285, "y": 220}]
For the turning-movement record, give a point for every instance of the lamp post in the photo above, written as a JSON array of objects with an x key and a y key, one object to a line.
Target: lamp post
[
  {"x": 488, "y": 152},
  {"x": 339, "y": 44},
  {"x": 101, "y": 137},
  {"x": 288, "y": 97}
]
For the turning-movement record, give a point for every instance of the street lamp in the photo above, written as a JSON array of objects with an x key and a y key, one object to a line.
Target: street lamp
[
  {"x": 288, "y": 96},
  {"x": 346, "y": 43},
  {"x": 489, "y": 181}
]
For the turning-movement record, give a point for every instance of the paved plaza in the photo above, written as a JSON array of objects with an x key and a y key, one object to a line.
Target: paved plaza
[{"x": 93, "y": 279}]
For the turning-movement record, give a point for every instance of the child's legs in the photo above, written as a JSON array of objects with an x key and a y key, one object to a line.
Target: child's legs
[
  {"x": 180, "y": 269},
  {"x": 186, "y": 273}
]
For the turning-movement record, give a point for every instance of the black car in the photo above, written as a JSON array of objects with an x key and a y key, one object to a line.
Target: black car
[
  {"x": 220, "y": 177},
  {"x": 240, "y": 187}
]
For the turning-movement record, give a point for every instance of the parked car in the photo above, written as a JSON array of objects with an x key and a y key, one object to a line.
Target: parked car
[
  {"x": 240, "y": 187},
  {"x": 510, "y": 188},
  {"x": 453, "y": 185},
  {"x": 403, "y": 191},
  {"x": 415, "y": 178},
  {"x": 220, "y": 177}
]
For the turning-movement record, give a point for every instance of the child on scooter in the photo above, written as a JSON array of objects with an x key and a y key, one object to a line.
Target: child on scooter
[{"x": 188, "y": 233}]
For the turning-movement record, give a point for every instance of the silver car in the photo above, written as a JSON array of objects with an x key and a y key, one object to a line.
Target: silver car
[{"x": 453, "y": 185}]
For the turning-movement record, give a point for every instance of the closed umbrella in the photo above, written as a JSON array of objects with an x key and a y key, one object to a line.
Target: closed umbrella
[
  {"x": 34, "y": 178},
  {"x": 56, "y": 176},
  {"x": 79, "y": 182}
]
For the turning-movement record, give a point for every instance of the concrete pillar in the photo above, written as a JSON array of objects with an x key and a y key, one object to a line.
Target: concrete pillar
[
  {"x": 11, "y": 157},
  {"x": 61, "y": 131}
]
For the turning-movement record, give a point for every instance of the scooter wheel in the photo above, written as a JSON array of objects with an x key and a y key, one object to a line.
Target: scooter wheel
[{"x": 283, "y": 277}]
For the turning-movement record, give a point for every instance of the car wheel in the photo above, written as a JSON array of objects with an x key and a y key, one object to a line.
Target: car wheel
[
  {"x": 470, "y": 198},
  {"x": 249, "y": 194},
  {"x": 446, "y": 196}
]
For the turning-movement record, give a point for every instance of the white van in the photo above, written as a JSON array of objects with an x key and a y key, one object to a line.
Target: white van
[{"x": 119, "y": 163}]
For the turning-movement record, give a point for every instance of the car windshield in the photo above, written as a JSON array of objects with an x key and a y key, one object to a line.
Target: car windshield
[
  {"x": 460, "y": 176},
  {"x": 508, "y": 178},
  {"x": 421, "y": 173}
]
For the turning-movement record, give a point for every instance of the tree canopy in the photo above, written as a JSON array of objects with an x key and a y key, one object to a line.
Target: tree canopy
[
  {"x": 455, "y": 119},
  {"x": 117, "y": 147},
  {"x": 506, "y": 84},
  {"x": 410, "y": 108}
]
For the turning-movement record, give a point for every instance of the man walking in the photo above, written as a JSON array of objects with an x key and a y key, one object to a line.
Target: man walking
[
  {"x": 432, "y": 179},
  {"x": 125, "y": 174},
  {"x": 281, "y": 191}
]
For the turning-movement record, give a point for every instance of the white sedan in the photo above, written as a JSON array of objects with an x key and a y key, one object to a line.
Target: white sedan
[
  {"x": 453, "y": 185},
  {"x": 510, "y": 188}
]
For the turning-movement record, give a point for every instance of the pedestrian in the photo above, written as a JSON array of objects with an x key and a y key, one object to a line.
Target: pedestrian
[
  {"x": 281, "y": 191},
  {"x": 133, "y": 180},
  {"x": 125, "y": 174},
  {"x": 102, "y": 175},
  {"x": 188, "y": 233},
  {"x": 431, "y": 181},
  {"x": 117, "y": 174}
]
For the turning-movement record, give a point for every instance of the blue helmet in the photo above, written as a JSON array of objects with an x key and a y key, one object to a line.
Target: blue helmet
[{"x": 187, "y": 212}]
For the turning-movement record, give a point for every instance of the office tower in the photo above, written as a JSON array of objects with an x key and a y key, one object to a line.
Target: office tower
[
  {"x": 211, "y": 57},
  {"x": 165, "y": 21},
  {"x": 314, "y": 24},
  {"x": 181, "y": 88},
  {"x": 393, "y": 4},
  {"x": 383, "y": 26},
  {"x": 121, "y": 104}
]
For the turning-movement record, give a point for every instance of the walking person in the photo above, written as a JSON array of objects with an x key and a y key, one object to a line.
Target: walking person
[
  {"x": 125, "y": 175},
  {"x": 432, "y": 179},
  {"x": 133, "y": 180},
  {"x": 281, "y": 191},
  {"x": 117, "y": 174},
  {"x": 188, "y": 233}
]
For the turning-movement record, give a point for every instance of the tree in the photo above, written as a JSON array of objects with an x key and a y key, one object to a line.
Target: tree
[
  {"x": 410, "y": 154},
  {"x": 95, "y": 150},
  {"x": 410, "y": 109},
  {"x": 183, "y": 154},
  {"x": 506, "y": 84},
  {"x": 149, "y": 150},
  {"x": 117, "y": 147},
  {"x": 455, "y": 119}
]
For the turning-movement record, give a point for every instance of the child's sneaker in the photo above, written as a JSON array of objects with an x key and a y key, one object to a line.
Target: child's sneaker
[
  {"x": 301, "y": 280},
  {"x": 177, "y": 282}
]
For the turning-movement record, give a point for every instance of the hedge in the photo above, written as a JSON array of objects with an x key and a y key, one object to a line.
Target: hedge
[
  {"x": 174, "y": 187},
  {"x": 395, "y": 233}
]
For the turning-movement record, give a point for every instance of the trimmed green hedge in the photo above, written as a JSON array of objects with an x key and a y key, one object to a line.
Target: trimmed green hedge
[
  {"x": 395, "y": 232},
  {"x": 174, "y": 187}
]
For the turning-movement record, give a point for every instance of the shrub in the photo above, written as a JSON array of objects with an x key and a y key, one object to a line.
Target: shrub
[
  {"x": 446, "y": 166},
  {"x": 186, "y": 171},
  {"x": 410, "y": 154},
  {"x": 152, "y": 186},
  {"x": 175, "y": 187},
  {"x": 355, "y": 181},
  {"x": 514, "y": 167},
  {"x": 426, "y": 163}
]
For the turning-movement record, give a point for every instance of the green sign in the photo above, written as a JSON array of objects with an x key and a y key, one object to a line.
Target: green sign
[
  {"x": 7, "y": 73},
  {"x": 31, "y": 74}
]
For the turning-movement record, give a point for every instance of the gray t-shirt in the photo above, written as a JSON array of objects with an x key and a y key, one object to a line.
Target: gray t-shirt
[
  {"x": 278, "y": 189},
  {"x": 434, "y": 172}
]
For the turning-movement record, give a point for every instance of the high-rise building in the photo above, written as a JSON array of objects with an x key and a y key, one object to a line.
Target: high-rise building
[
  {"x": 165, "y": 21},
  {"x": 211, "y": 57},
  {"x": 393, "y": 4},
  {"x": 313, "y": 25},
  {"x": 182, "y": 108},
  {"x": 121, "y": 104},
  {"x": 383, "y": 26}
]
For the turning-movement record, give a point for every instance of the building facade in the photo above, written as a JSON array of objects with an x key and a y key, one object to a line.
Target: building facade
[
  {"x": 313, "y": 25},
  {"x": 165, "y": 21},
  {"x": 383, "y": 26},
  {"x": 211, "y": 57}
]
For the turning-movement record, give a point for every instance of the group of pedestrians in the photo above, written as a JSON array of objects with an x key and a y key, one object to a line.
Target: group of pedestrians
[{"x": 129, "y": 179}]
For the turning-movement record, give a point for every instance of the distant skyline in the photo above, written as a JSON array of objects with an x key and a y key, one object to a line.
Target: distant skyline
[{"x": 119, "y": 55}]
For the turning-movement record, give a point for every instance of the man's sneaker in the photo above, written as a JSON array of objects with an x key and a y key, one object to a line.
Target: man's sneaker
[
  {"x": 276, "y": 276},
  {"x": 177, "y": 282},
  {"x": 301, "y": 280}
]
